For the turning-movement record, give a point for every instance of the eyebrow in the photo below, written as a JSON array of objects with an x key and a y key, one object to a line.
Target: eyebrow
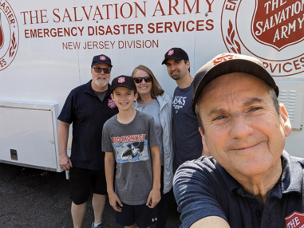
[
  {"x": 248, "y": 102},
  {"x": 174, "y": 61}
]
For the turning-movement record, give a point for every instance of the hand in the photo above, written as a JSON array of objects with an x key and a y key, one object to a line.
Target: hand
[
  {"x": 153, "y": 198},
  {"x": 65, "y": 162},
  {"x": 115, "y": 202}
]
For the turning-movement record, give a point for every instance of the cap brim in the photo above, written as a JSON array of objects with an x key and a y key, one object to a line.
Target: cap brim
[
  {"x": 231, "y": 66},
  {"x": 126, "y": 86},
  {"x": 100, "y": 63},
  {"x": 175, "y": 58}
]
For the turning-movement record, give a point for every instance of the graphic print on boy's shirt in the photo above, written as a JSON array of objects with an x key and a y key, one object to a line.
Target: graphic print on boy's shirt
[{"x": 130, "y": 148}]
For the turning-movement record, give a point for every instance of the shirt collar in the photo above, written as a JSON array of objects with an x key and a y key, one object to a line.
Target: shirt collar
[
  {"x": 88, "y": 89},
  {"x": 292, "y": 175},
  {"x": 291, "y": 179}
]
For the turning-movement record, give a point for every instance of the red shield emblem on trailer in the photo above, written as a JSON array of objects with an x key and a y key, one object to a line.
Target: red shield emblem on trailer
[
  {"x": 111, "y": 103},
  {"x": 295, "y": 220},
  {"x": 9, "y": 34},
  {"x": 278, "y": 24}
]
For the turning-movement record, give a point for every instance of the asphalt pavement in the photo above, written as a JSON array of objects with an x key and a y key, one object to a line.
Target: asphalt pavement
[{"x": 32, "y": 198}]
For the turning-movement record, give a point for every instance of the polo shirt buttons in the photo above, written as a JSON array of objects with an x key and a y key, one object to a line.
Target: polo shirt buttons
[{"x": 258, "y": 213}]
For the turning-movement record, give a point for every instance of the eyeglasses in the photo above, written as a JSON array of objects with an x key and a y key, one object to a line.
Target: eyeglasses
[
  {"x": 99, "y": 69},
  {"x": 140, "y": 79}
]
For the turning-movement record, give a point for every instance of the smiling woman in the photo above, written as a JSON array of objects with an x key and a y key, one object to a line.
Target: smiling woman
[{"x": 154, "y": 102}]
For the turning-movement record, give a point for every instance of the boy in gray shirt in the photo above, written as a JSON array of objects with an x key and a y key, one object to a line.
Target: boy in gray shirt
[{"x": 130, "y": 139}]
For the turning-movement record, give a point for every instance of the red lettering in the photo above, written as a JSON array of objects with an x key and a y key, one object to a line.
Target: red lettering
[
  {"x": 296, "y": 64},
  {"x": 75, "y": 14},
  {"x": 190, "y": 29},
  {"x": 168, "y": 26},
  {"x": 141, "y": 10},
  {"x": 97, "y": 13},
  {"x": 130, "y": 9},
  {"x": 284, "y": 65},
  {"x": 159, "y": 26},
  {"x": 230, "y": 5},
  {"x": 273, "y": 69},
  {"x": 85, "y": 12},
  {"x": 26, "y": 33},
  {"x": 200, "y": 25},
  {"x": 209, "y": 24},
  {"x": 151, "y": 28},
  {"x": 160, "y": 9},
  {"x": 66, "y": 15},
  {"x": 173, "y": 7},
  {"x": 56, "y": 15},
  {"x": 139, "y": 27},
  {"x": 190, "y": 9}
]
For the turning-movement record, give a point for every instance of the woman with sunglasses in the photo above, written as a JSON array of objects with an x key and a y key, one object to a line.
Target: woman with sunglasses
[{"x": 154, "y": 102}]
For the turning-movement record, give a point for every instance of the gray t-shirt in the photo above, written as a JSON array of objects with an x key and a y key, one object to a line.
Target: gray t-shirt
[
  {"x": 100, "y": 95},
  {"x": 153, "y": 109},
  {"x": 131, "y": 144}
]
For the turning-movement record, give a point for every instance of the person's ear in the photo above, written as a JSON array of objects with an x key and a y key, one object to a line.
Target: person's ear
[
  {"x": 135, "y": 96},
  {"x": 286, "y": 121},
  {"x": 188, "y": 64},
  {"x": 112, "y": 96}
]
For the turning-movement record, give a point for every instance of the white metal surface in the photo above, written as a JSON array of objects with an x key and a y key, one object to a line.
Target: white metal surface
[
  {"x": 29, "y": 130},
  {"x": 40, "y": 63}
]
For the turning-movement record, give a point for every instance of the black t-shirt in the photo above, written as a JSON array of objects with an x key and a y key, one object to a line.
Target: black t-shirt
[{"x": 88, "y": 114}]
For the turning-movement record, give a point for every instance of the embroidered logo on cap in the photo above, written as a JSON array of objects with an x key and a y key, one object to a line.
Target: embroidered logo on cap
[
  {"x": 121, "y": 80},
  {"x": 102, "y": 58},
  {"x": 171, "y": 52},
  {"x": 111, "y": 103},
  {"x": 222, "y": 59},
  {"x": 295, "y": 220}
]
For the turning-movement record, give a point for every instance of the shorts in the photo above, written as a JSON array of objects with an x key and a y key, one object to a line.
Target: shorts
[
  {"x": 83, "y": 181},
  {"x": 142, "y": 215}
]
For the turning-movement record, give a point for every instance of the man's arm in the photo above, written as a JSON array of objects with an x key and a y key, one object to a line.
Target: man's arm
[
  {"x": 109, "y": 171},
  {"x": 63, "y": 135},
  {"x": 154, "y": 196},
  {"x": 210, "y": 222}
]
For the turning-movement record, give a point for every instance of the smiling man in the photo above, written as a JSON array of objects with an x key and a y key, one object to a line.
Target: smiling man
[
  {"x": 88, "y": 107},
  {"x": 187, "y": 144},
  {"x": 250, "y": 181}
]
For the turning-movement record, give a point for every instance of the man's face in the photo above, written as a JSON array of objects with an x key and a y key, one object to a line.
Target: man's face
[
  {"x": 100, "y": 80},
  {"x": 177, "y": 68},
  {"x": 243, "y": 131},
  {"x": 124, "y": 98}
]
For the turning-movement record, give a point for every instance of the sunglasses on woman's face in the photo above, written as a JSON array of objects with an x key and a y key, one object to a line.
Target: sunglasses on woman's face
[{"x": 140, "y": 79}]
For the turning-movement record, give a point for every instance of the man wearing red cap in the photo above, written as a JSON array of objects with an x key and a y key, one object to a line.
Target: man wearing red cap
[
  {"x": 250, "y": 181},
  {"x": 88, "y": 107}
]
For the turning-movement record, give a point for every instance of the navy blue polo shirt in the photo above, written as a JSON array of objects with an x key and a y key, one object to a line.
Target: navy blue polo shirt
[
  {"x": 88, "y": 115},
  {"x": 204, "y": 188}
]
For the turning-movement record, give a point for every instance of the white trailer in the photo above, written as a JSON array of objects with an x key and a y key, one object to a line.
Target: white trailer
[{"x": 46, "y": 48}]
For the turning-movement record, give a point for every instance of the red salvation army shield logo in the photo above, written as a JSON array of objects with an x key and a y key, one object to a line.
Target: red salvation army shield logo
[
  {"x": 102, "y": 58},
  {"x": 272, "y": 31},
  {"x": 111, "y": 103},
  {"x": 278, "y": 25},
  {"x": 9, "y": 35},
  {"x": 295, "y": 220},
  {"x": 121, "y": 80}
]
